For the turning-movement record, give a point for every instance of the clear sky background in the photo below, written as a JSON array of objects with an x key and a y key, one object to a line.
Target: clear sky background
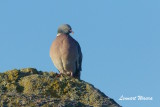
[{"x": 120, "y": 41}]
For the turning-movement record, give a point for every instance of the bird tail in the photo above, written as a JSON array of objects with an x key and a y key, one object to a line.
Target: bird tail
[{"x": 77, "y": 74}]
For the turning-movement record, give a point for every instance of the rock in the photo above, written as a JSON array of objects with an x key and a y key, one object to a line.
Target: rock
[{"x": 29, "y": 87}]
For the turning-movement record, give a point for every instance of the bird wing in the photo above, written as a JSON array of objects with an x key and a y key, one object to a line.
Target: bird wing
[{"x": 79, "y": 68}]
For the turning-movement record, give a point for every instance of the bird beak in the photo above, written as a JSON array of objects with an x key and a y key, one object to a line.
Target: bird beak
[{"x": 72, "y": 32}]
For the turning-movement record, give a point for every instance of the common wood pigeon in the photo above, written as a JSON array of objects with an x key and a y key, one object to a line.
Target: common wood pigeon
[{"x": 65, "y": 52}]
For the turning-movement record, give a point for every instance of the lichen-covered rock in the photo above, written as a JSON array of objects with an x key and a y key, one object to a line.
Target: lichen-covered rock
[{"x": 31, "y": 88}]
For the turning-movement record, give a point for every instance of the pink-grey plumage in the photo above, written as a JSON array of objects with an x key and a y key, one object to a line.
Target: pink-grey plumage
[{"x": 65, "y": 53}]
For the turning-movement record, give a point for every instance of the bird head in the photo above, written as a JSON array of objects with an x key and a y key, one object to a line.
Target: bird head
[{"x": 65, "y": 29}]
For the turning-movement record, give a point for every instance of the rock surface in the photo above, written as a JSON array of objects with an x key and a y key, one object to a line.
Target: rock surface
[{"x": 31, "y": 88}]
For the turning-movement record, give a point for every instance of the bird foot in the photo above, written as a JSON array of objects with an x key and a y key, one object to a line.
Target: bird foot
[{"x": 58, "y": 75}]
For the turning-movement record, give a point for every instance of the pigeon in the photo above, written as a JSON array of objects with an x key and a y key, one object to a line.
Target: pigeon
[{"x": 65, "y": 52}]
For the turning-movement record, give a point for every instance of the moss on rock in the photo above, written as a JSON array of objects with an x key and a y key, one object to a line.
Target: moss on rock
[{"x": 29, "y": 87}]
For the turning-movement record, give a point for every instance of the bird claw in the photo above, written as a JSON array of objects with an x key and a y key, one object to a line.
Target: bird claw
[{"x": 58, "y": 75}]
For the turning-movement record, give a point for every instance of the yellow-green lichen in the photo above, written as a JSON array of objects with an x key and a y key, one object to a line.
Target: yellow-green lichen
[
  {"x": 29, "y": 87},
  {"x": 12, "y": 75}
]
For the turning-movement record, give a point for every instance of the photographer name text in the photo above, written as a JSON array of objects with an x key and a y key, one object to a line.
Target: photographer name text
[{"x": 140, "y": 98}]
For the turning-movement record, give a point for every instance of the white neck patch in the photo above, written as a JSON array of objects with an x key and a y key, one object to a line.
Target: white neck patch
[{"x": 58, "y": 34}]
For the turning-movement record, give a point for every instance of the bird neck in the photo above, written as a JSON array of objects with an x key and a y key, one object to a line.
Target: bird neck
[{"x": 58, "y": 34}]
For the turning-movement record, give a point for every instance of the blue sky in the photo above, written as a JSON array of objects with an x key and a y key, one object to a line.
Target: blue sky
[{"x": 119, "y": 41}]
